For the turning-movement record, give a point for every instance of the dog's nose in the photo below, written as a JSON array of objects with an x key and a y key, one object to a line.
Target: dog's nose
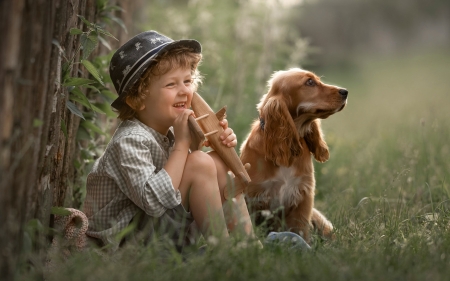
[{"x": 343, "y": 92}]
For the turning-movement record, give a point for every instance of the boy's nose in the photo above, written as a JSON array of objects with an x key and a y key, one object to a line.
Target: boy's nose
[{"x": 185, "y": 89}]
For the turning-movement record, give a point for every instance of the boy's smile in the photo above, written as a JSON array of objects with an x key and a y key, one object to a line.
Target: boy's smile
[
  {"x": 167, "y": 97},
  {"x": 180, "y": 105}
]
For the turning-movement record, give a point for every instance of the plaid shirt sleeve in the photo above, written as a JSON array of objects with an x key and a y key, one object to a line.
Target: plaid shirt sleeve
[{"x": 141, "y": 176}]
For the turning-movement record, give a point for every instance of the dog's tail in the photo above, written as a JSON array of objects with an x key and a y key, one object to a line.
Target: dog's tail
[{"x": 322, "y": 225}]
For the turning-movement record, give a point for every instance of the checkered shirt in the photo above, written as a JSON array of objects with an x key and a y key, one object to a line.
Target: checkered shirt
[{"x": 127, "y": 178}]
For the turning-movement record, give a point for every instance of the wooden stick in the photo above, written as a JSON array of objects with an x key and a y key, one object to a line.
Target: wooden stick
[
  {"x": 201, "y": 117},
  {"x": 210, "y": 133}
]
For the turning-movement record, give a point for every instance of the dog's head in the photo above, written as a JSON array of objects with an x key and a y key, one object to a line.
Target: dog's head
[
  {"x": 296, "y": 98},
  {"x": 304, "y": 94}
]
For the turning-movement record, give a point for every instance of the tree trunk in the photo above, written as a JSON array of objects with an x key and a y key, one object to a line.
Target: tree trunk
[{"x": 36, "y": 159}]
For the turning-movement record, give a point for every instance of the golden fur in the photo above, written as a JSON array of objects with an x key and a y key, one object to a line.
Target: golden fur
[{"x": 281, "y": 144}]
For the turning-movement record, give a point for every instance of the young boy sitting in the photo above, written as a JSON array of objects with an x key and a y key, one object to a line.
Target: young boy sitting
[{"x": 147, "y": 175}]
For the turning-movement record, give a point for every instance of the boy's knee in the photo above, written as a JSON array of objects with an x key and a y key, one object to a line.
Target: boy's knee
[
  {"x": 199, "y": 161},
  {"x": 221, "y": 167}
]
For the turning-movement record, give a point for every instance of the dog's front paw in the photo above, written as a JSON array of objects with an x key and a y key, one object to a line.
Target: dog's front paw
[
  {"x": 322, "y": 154},
  {"x": 327, "y": 232}
]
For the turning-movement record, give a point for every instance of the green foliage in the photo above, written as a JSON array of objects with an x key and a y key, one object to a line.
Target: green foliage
[
  {"x": 60, "y": 211},
  {"x": 89, "y": 97},
  {"x": 37, "y": 122},
  {"x": 243, "y": 43},
  {"x": 74, "y": 109},
  {"x": 93, "y": 71},
  {"x": 106, "y": 11}
]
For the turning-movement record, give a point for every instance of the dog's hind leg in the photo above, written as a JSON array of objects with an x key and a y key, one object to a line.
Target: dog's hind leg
[{"x": 322, "y": 224}]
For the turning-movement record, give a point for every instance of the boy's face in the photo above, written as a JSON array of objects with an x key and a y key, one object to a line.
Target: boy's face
[{"x": 168, "y": 95}]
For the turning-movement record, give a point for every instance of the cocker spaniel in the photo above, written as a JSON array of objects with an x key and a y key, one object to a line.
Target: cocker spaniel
[{"x": 280, "y": 147}]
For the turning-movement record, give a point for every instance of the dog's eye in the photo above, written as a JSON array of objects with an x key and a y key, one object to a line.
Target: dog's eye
[{"x": 310, "y": 82}]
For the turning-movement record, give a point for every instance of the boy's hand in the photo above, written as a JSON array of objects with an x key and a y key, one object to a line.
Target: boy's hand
[
  {"x": 181, "y": 128},
  {"x": 228, "y": 137}
]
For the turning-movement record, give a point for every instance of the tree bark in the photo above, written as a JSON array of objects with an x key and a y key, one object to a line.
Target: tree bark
[{"x": 36, "y": 159}]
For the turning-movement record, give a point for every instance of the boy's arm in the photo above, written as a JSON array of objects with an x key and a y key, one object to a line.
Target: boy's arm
[
  {"x": 135, "y": 157},
  {"x": 177, "y": 159},
  {"x": 176, "y": 162}
]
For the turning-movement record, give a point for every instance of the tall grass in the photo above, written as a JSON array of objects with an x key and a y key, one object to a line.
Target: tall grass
[{"x": 385, "y": 188}]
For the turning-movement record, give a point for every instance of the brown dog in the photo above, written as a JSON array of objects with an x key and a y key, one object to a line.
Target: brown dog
[{"x": 280, "y": 148}]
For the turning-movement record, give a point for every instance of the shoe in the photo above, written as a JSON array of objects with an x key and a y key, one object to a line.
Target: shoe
[{"x": 292, "y": 240}]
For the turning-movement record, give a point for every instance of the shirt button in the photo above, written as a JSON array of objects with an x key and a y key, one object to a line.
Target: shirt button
[{"x": 166, "y": 139}]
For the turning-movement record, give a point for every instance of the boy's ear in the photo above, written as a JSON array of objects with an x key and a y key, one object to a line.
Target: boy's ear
[{"x": 135, "y": 103}]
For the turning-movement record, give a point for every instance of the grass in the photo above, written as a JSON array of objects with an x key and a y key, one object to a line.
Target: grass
[{"x": 385, "y": 188}]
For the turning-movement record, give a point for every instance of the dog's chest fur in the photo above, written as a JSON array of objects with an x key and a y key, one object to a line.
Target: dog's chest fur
[{"x": 285, "y": 188}]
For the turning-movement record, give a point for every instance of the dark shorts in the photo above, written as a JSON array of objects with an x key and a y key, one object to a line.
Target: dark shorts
[{"x": 176, "y": 226}]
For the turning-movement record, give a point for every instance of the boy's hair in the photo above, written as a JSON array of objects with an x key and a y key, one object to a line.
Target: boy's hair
[{"x": 167, "y": 60}]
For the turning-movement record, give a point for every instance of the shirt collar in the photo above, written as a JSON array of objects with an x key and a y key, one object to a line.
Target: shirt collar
[{"x": 169, "y": 138}]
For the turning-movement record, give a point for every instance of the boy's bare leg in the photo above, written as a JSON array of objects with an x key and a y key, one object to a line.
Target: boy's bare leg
[
  {"x": 236, "y": 212},
  {"x": 201, "y": 195}
]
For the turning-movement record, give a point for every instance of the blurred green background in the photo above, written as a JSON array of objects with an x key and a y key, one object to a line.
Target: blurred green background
[{"x": 391, "y": 55}]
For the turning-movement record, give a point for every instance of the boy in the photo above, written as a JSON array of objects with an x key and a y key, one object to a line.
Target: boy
[{"x": 146, "y": 175}]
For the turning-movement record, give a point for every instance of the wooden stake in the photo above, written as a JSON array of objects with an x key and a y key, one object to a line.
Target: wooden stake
[
  {"x": 210, "y": 133},
  {"x": 201, "y": 117}
]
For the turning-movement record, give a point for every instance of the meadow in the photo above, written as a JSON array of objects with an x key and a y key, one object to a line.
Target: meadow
[{"x": 385, "y": 188}]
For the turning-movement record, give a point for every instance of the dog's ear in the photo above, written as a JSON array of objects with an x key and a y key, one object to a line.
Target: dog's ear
[
  {"x": 282, "y": 143},
  {"x": 316, "y": 142}
]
